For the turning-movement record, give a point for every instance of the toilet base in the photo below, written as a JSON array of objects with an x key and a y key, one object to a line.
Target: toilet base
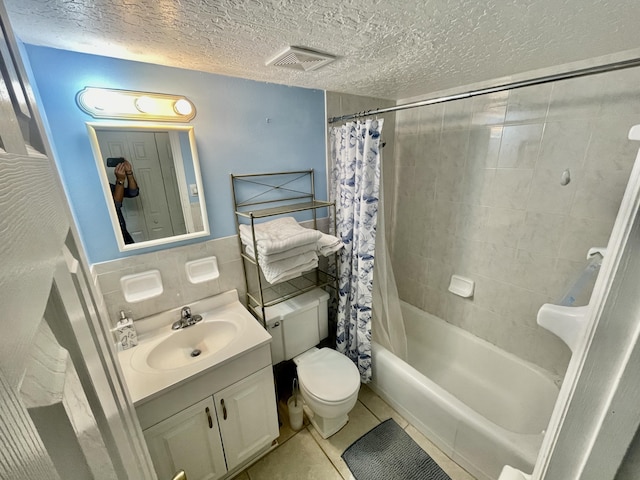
[{"x": 326, "y": 426}]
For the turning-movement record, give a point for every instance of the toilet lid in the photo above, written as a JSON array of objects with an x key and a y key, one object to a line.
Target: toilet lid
[{"x": 329, "y": 375}]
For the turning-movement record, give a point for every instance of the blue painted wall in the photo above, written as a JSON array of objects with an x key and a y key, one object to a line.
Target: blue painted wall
[{"x": 231, "y": 130}]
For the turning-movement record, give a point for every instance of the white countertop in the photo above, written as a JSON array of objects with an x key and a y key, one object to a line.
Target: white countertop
[{"x": 145, "y": 382}]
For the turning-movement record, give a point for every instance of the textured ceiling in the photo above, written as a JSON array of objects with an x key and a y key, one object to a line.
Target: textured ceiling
[{"x": 392, "y": 49}]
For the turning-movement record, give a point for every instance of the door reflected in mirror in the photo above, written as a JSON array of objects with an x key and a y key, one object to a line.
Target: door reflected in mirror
[{"x": 150, "y": 177}]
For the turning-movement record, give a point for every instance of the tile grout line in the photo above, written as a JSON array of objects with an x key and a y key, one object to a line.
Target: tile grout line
[
  {"x": 308, "y": 427},
  {"x": 405, "y": 430}
]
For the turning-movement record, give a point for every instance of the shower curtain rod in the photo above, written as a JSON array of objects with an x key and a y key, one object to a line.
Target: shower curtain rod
[{"x": 583, "y": 72}]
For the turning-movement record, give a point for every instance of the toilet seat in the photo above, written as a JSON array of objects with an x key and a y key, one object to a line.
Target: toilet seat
[
  {"x": 327, "y": 403},
  {"x": 328, "y": 376}
]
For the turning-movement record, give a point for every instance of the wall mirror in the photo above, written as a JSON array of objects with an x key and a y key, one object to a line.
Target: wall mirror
[{"x": 169, "y": 205}]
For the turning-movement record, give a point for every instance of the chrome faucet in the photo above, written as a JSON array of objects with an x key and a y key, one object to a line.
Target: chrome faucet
[{"x": 186, "y": 319}]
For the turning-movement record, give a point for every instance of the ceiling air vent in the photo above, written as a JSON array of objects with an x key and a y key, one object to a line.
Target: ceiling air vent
[{"x": 301, "y": 59}]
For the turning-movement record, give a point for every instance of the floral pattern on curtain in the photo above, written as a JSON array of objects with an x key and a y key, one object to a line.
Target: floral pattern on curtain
[{"x": 355, "y": 184}]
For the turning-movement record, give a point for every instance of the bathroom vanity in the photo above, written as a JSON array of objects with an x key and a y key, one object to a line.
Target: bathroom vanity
[{"x": 213, "y": 413}]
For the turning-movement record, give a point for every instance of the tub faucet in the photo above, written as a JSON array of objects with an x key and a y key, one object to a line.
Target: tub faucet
[{"x": 186, "y": 319}]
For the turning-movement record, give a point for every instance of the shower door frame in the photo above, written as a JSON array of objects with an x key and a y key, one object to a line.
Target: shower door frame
[{"x": 596, "y": 417}]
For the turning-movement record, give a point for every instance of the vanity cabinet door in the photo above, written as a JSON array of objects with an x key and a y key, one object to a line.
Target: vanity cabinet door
[
  {"x": 189, "y": 441},
  {"x": 247, "y": 415}
]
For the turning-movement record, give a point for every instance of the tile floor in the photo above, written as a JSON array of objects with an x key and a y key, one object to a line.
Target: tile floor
[{"x": 306, "y": 455}]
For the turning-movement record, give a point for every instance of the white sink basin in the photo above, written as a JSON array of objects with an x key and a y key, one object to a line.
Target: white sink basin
[
  {"x": 164, "y": 358},
  {"x": 190, "y": 345}
]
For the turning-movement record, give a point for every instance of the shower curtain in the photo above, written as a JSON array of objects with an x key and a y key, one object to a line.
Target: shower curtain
[
  {"x": 387, "y": 323},
  {"x": 355, "y": 187}
]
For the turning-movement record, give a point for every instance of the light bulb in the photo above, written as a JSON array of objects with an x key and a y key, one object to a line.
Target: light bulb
[
  {"x": 183, "y": 107},
  {"x": 145, "y": 104}
]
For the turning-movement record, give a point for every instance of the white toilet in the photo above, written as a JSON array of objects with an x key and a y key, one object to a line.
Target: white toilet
[{"x": 329, "y": 381}]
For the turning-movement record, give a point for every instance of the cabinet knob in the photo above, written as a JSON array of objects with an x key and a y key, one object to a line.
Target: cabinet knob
[
  {"x": 209, "y": 417},
  {"x": 224, "y": 409}
]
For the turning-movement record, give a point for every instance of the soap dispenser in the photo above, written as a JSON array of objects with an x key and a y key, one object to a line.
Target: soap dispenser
[{"x": 126, "y": 332}]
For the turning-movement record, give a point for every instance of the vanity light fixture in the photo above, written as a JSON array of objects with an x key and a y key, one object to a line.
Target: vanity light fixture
[{"x": 131, "y": 105}]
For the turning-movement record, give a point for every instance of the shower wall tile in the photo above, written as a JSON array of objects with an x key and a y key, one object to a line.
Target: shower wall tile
[
  {"x": 610, "y": 147},
  {"x": 542, "y": 233},
  {"x": 408, "y": 149},
  {"x": 623, "y": 100},
  {"x": 409, "y": 122},
  {"x": 428, "y": 147},
  {"x": 550, "y": 351},
  {"x": 443, "y": 217},
  {"x": 489, "y": 295},
  {"x": 489, "y": 109},
  {"x": 520, "y": 146},
  {"x": 528, "y": 104},
  {"x": 457, "y": 115},
  {"x": 478, "y": 186},
  {"x": 487, "y": 325},
  {"x": 599, "y": 194},
  {"x": 405, "y": 175},
  {"x": 510, "y": 188},
  {"x": 503, "y": 226},
  {"x": 416, "y": 121},
  {"x": 580, "y": 234},
  {"x": 460, "y": 311},
  {"x": 425, "y": 176},
  {"x": 483, "y": 147},
  {"x": 453, "y": 150},
  {"x": 467, "y": 257},
  {"x": 496, "y": 261},
  {"x": 532, "y": 271},
  {"x": 483, "y": 199},
  {"x": 470, "y": 222},
  {"x": 440, "y": 247},
  {"x": 564, "y": 144},
  {"x": 451, "y": 165},
  {"x": 438, "y": 275},
  {"x": 523, "y": 304},
  {"x": 547, "y": 195},
  {"x": 434, "y": 301},
  {"x": 579, "y": 98}
]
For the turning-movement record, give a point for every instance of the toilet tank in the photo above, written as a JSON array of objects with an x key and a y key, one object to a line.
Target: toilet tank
[{"x": 297, "y": 324}]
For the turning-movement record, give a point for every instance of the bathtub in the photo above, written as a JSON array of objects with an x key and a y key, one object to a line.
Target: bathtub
[{"x": 482, "y": 406}]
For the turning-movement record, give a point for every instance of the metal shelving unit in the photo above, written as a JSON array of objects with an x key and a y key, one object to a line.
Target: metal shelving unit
[{"x": 260, "y": 196}]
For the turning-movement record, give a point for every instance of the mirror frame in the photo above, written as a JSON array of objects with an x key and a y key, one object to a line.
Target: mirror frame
[{"x": 94, "y": 127}]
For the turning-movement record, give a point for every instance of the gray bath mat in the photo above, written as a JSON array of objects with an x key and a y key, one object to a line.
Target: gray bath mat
[{"x": 387, "y": 452}]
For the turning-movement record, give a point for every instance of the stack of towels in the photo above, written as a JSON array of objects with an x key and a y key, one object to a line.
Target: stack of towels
[{"x": 285, "y": 249}]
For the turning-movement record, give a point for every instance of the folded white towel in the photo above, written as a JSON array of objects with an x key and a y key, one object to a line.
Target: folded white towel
[
  {"x": 296, "y": 274},
  {"x": 328, "y": 245},
  {"x": 289, "y": 268},
  {"x": 275, "y": 257},
  {"x": 278, "y": 235}
]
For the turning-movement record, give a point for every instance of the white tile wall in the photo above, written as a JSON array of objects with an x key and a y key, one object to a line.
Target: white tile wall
[
  {"x": 478, "y": 194},
  {"x": 177, "y": 288}
]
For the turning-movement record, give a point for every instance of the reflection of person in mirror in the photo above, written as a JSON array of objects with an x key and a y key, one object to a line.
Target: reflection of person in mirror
[{"x": 125, "y": 186}]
